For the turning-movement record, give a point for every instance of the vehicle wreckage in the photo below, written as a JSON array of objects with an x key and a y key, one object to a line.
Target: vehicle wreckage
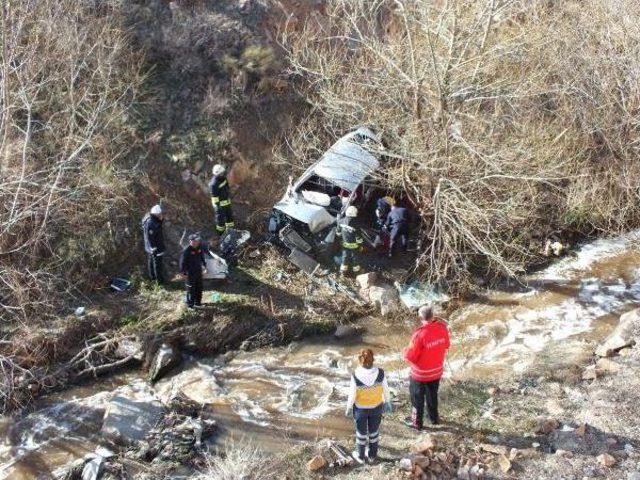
[{"x": 304, "y": 221}]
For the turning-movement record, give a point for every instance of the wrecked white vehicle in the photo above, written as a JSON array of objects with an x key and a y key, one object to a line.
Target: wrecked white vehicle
[{"x": 304, "y": 220}]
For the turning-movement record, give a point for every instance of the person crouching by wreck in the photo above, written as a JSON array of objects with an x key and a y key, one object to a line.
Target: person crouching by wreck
[
  {"x": 369, "y": 398},
  {"x": 192, "y": 265},
  {"x": 425, "y": 355}
]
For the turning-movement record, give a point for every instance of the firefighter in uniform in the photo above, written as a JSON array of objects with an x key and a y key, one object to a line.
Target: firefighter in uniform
[
  {"x": 221, "y": 200},
  {"x": 192, "y": 265},
  {"x": 351, "y": 242},
  {"x": 154, "y": 243}
]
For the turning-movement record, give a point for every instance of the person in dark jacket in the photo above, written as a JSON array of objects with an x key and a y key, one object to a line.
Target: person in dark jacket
[
  {"x": 397, "y": 225},
  {"x": 192, "y": 264},
  {"x": 221, "y": 200},
  {"x": 351, "y": 242},
  {"x": 154, "y": 243},
  {"x": 383, "y": 207}
]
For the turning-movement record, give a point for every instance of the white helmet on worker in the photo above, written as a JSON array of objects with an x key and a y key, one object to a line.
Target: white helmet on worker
[
  {"x": 351, "y": 212},
  {"x": 156, "y": 210},
  {"x": 218, "y": 169}
]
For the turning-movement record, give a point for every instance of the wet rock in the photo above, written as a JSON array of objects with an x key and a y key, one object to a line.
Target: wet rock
[
  {"x": 166, "y": 358},
  {"x": 384, "y": 297},
  {"x": 366, "y": 280},
  {"x": 545, "y": 426},
  {"x": 344, "y": 331},
  {"x": 316, "y": 463},
  {"x": 605, "y": 366},
  {"x": 606, "y": 460},
  {"x": 92, "y": 469},
  {"x": 622, "y": 336},
  {"x": 127, "y": 421}
]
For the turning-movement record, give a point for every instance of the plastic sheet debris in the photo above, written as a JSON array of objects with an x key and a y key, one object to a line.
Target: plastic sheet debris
[
  {"x": 118, "y": 284},
  {"x": 416, "y": 294},
  {"x": 80, "y": 311}
]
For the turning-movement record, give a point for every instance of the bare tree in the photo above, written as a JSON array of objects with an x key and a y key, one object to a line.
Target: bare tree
[
  {"x": 68, "y": 80},
  {"x": 506, "y": 120}
]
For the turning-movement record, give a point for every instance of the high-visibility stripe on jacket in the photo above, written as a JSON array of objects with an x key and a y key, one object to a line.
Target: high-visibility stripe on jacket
[
  {"x": 351, "y": 237},
  {"x": 219, "y": 187},
  {"x": 427, "y": 350},
  {"x": 369, "y": 396}
]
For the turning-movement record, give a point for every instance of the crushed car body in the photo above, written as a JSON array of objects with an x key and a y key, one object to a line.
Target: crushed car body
[{"x": 305, "y": 219}]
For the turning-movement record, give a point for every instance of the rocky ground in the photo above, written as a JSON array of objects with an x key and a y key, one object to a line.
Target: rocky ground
[{"x": 576, "y": 425}]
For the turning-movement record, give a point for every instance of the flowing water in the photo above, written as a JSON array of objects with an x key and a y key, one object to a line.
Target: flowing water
[{"x": 277, "y": 396}]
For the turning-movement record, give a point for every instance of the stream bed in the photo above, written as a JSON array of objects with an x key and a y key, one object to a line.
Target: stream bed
[{"x": 278, "y": 396}]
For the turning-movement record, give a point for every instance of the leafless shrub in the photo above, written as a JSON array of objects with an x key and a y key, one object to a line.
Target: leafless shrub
[
  {"x": 67, "y": 83},
  {"x": 506, "y": 120},
  {"x": 240, "y": 461}
]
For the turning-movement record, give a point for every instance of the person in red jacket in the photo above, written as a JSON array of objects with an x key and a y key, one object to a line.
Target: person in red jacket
[{"x": 425, "y": 354}]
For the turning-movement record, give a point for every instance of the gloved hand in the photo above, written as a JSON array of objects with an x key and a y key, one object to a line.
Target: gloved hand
[
  {"x": 349, "y": 412},
  {"x": 387, "y": 407}
]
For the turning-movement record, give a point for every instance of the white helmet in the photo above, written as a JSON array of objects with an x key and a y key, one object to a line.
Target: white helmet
[
  {"x": 351, "y": 212},
  {"x": 218, "y": 169},
  {"x": 156, "y": 210}
]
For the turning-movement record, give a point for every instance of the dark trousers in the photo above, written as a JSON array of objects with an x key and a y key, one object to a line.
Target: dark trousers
[
  {"x": 350, "y": 261},
  {"x": 421, "y": 393},
  {"x": 194, "y": 291},
  {"x": 367, "y": 429},
  {"x": 155, "y": 267},
  {"x": 224, "y": 219},
  {"x": 398, "y": 238}
]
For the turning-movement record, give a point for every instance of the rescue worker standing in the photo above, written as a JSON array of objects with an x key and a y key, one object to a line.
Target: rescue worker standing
[
  {"x": 192, "y": 264},
  {"x": 368, "y": 399},
  {"x": 351, "y": 242},
  {"x": 397, "y": 225},
  {"x": 221, "y": 200},
  {"x": 154, "y": 243},
  {"x": 426, "y": 354}
]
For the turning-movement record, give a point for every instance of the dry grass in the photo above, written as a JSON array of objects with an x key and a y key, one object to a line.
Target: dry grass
[
  {"x": 240, "y": 461},
  {"x": 506, "y": 120},
  {"x": 68, "y": 80}
]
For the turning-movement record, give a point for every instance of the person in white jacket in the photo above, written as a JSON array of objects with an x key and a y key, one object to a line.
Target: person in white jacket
[{"x": 369, "y": 398}]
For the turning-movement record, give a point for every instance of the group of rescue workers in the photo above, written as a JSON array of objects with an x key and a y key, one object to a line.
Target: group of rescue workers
[{"x": 369, "y": 396}]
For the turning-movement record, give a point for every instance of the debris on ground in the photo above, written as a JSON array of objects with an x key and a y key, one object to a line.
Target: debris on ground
[
  {"x": 118, "y": 284},
  {"x": 416, "y": 294}
]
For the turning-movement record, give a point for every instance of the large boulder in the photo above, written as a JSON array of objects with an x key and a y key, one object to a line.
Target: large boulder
[
  {"x": 622, "y": 336},
  {"x": 166, "y": 358},
  {"x": 127, "y": 421},
  {"x": 384, "y": 297},
  {"x": 366, "y": 280}
]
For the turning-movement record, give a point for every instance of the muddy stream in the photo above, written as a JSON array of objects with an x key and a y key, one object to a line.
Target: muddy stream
[{"x": 277, "y": 396}]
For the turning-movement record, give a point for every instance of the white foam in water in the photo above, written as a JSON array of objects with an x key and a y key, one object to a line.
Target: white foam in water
[
  {"x": 531, "y": 331},
  {"x": 589, "y": 254}
]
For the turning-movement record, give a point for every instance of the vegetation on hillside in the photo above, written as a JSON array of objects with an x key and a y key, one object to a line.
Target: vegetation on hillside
[
  {"x": 68, "y": 80},
  {"x": 506, "y": 120}
]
